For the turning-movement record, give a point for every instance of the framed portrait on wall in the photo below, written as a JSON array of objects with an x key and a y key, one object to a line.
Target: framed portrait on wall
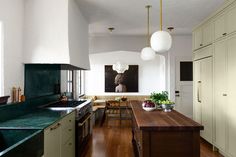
[{"x": 121, "y": 82}]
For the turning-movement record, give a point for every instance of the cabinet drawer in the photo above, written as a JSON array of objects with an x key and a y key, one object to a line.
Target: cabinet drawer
[
  {"x": 68, "y": 149},
  {"x": 69, "y": 121},
  {"x": 68, "y": 128}
]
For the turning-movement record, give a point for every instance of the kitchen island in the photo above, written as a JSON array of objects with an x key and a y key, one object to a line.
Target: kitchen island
[{"x": 164, "y": 134}]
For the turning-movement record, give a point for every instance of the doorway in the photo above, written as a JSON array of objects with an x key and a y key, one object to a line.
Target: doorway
[{"x": 184, "y": 85}]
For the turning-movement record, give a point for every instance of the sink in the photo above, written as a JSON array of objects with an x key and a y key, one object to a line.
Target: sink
[{"x": 21, "y": 143}]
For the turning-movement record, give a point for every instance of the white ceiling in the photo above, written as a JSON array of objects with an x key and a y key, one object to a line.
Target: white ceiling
[{"x": 129, "y": 16}]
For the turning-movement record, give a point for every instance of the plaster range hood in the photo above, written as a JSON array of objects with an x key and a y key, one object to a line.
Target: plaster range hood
[{"x": 55, "y": 33}]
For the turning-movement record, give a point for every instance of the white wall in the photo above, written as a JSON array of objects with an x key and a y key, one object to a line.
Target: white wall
[
  {"x": 151, "y": 73},
  {"x": 12, "y": 17},
  {"x": 182, "y": 46}
]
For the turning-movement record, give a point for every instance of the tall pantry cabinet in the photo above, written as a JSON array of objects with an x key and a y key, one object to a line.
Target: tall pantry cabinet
[
  {"x": 219, "y": 115},
  {"x": 225, "y": 95},
  {"x": 202, "y": 84}
]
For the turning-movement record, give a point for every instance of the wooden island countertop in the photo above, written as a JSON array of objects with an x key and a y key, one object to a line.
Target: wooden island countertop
[
  {"x": 160, "y": 120},
  {"x": 164, "y": 134}
]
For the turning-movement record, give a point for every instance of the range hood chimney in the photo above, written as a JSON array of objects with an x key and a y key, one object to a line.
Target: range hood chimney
[{"x": 55, "y": 33}]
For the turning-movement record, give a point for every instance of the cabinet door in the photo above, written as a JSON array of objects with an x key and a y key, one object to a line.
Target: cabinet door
[
  {"x": 220, "y": 101},
  {"x": 231, "y": 96},
  {"x": 207, "y": 33},
  {"x": 197, "y": 38},
  {"x": 68, "y": 149},
  {"x": 206, "y": 98},
  {"x": 231, "y": 20},
  {"x": 52, "y": 141},
  {"x": 196, "y": 92},
  {"x": 219, "y": 24}
]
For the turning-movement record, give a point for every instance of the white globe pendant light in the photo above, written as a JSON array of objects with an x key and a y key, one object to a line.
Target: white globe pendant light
[
  {"x": 161, "y": 41},
  {"x": 148, "y": 53}
]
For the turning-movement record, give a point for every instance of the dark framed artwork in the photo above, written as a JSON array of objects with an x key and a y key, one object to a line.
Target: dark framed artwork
[{"x": 125, "y": 82}]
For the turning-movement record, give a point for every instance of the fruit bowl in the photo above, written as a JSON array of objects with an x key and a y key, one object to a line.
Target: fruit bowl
[
  {"x": 148, "y": 105},
  {"x": 149, "y": 108}
]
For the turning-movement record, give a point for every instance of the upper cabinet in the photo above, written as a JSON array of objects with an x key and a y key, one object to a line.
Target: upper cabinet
[
  {"x": 225, "y": 23},
  {"x": 202, "y": 36}
]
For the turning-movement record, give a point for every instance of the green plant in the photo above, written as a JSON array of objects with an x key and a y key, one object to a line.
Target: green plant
[{"x": 159, "y": 97}]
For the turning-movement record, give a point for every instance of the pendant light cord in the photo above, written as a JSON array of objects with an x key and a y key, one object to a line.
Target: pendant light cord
[
  {"x": 161, "y": 15},
  {"x": 148, "y": 24}
]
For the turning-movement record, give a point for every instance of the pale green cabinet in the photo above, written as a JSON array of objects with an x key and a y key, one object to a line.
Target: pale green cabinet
[
  {"x": 214, "y": 98},
  {"x": 59, "y": 138},
  {"x": 52, "y": 140},
  {"x": 203, "y": 92},
  {"x": 203, "y": 35},
  {"x": 220, "y": 90},
  {"x": 225, "y": 23},
  {"x": 231, "y": 95},
  {"x": 225, "y": 94}
]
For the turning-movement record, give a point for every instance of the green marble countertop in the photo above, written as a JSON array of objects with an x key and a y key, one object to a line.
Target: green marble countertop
[{"x": 38, "y": 119}]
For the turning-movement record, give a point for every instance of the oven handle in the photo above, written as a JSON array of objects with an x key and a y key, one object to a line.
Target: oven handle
[{"x": 81, "y": 124}]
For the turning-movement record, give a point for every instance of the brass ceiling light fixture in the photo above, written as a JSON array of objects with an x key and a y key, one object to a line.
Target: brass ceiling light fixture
[
  {"x": 111, "y": 29},
  {"x": 148, "y": 53},
  {"x": 161, "y": 41}
]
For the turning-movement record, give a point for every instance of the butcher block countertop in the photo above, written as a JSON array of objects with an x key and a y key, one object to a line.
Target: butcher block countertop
[{"x": 162, "y": 121}]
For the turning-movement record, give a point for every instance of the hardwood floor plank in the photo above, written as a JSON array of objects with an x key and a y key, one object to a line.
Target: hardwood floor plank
[{"x": 114, "y": 140}]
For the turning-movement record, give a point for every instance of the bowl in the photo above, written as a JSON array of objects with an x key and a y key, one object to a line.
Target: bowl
[
  {"x": 149, "y": 108},
  {"x": 3, "y": 100},
  {"x": 167, "y": 107}
]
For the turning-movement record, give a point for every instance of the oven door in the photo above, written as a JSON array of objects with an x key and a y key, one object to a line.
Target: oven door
[{"x": 84, "y": 129}]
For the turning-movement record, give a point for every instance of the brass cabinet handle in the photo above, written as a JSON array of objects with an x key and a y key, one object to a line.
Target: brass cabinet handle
[{"x": 55, "y": 127}]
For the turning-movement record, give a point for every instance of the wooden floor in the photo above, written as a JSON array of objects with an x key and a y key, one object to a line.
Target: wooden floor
[{"x": 114, "y": 140}]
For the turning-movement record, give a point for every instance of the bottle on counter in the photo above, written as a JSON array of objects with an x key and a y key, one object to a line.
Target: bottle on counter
[
  {"x": 22, "y": 98},
  {"x": 19, "y": 94},
  {"x": 14, "y": 94}
]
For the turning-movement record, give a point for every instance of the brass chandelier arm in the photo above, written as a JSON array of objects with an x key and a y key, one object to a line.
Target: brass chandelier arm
[{"x": 161, "y": 15}]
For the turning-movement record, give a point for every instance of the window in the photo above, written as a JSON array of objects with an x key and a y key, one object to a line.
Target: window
[
  {"x": 186, "y": 71},
  {"x": 75, "y": 82},
  {"x": 69, "y": 88},
  {"x": 1, "y": 59},
  {"x": 80, "y": 83}
]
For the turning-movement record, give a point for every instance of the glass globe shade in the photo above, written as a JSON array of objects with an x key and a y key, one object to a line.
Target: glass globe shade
[
  {"x": 161, "y": 41},
  {"x": 148, "y": 53},
  {"x": 120, "y": 67}
]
